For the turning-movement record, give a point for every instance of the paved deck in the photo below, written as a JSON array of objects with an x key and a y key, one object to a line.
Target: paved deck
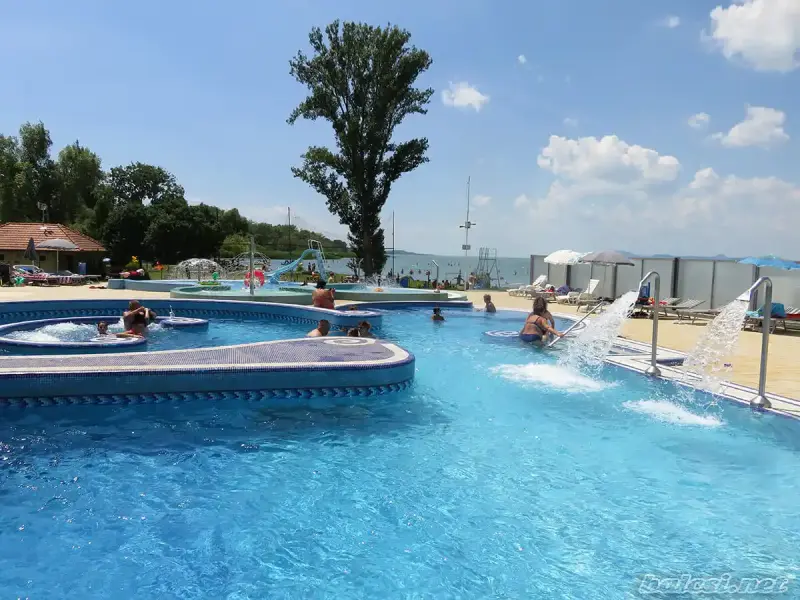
[{"x": 304, "y": 364}]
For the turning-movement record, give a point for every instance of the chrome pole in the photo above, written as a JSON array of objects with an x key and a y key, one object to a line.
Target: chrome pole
[
  {"x": 653, "y": 370},
  {"x": 252, "y": 266},
  {"x": 761, "y": 401},
  {"x": 576, "y": 323}
]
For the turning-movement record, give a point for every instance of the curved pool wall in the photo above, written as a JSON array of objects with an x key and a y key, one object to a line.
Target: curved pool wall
[
  {"x": 297, "y": 371},
  {"x": 107, "y": 343},
  {"x": 270, "y": 295},
  {"x": 387, "y": 295}
]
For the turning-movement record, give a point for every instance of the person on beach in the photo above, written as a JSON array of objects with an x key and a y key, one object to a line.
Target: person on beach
[
  {"x": 321, "y": 297},
  {"x": 489, "y": 306},
  {"x": 537, "y": 327},
  {"x": 322, "y": 329},
  {"x": 437, "y": 314}
]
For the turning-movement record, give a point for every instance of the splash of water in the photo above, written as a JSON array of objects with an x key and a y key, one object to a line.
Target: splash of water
[
  {"x": 590, "y": 347},
  {"x": 552, "y": 376},
  {"x": 715, "y": 346},
  {"x": 670, "y": 412}
]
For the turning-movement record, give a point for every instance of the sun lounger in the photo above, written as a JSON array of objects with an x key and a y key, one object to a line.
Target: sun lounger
[
  {"x": 663, "y": 306},
  {"x": 569, "y": 298},
  {"x": 588, "y": 298},
  {"x": 688, "y": 304},
  {"x": 779, "y": 317},
  {"x": 696, "y": 314}
]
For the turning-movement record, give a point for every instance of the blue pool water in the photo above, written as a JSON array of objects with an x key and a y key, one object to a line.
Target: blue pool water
[{"x": 497, "y": 475}]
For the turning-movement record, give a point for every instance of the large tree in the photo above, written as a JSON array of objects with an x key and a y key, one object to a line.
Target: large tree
[
  {"x": 37, "y": 180},
  {"x": 80, "y": 176},
  {"x": 139, "y": 183},
  {"x": 361, "y": 80}
]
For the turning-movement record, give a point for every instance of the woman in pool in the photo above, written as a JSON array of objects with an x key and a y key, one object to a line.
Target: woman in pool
[
  {"x": 540, "y": 304},
  {"x": 136, "y": 308},
  {"x": 321, "y": 297},
  {"x": 537, "y": 327}
]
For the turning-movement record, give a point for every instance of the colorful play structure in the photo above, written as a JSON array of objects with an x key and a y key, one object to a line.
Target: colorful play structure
[{"x": 313, "y": 252}]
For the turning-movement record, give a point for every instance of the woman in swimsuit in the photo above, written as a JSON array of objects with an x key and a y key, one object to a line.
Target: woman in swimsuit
[
  {"x": 321, "y": 297},
  {"x": 536, "y": 327},
  {"x": 540, "y": 304}
]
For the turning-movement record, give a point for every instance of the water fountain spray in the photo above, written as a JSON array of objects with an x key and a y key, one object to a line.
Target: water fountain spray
[{"x": 252, "y": 265}]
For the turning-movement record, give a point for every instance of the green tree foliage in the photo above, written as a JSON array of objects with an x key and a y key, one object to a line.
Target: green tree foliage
[
  {"x": 135, "y": 210},
  {"x": 361, "y": 80}
]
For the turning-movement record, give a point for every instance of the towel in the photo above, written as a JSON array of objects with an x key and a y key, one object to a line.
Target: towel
[{"x": 778, "y": 312}]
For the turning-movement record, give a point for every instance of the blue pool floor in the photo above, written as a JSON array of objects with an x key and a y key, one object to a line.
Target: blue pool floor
[{"x": 497, "y": 475}]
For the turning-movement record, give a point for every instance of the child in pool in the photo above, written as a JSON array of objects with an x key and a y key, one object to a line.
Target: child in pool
[
  {"x": 437, "y": 314},
  {"x": 102, "y": 328}
]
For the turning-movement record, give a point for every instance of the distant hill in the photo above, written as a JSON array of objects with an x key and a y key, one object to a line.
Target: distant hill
[{"x": 406, "y": 252}]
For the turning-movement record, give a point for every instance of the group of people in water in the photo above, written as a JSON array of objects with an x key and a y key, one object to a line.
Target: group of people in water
[{"x": 323, "y": 328}]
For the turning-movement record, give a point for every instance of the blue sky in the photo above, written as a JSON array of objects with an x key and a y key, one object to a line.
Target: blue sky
[{"x": 203, "y": 89}]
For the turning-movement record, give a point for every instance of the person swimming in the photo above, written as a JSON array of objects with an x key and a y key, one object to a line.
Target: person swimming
[
  {"x": 537, "y": 326},
  {"x": 489, "y": 305},
  {"x": 437, "y": 314},
  {"x": 102, "y": 328}
]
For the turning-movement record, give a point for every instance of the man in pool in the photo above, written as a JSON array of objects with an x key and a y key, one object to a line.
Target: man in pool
[
  {"x": 537, "y": 327},
  {"x": 138, "y": 327},
  {"x": 437, "y": 314},
  {"x": 365, "y": 329},
  {"x": 322, "y": 329},
  {"x": 102, "y": 328},
  {"x": 135, "y": 308},
  {"x": 489, "y": 305}
]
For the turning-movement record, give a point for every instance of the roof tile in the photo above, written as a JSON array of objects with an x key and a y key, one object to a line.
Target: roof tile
[{"x": 15, "y": 236}]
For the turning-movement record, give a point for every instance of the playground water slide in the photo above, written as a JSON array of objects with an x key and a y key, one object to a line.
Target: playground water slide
[{"x": 308, "y": 254}]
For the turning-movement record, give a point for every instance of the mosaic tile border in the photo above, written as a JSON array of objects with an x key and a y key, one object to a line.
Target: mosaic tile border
[{"x": 178, "y": 397}]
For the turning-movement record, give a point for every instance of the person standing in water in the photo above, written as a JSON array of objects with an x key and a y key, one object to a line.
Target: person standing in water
[
  {"x": 537, "y": 327},
  {"x": 540, "y": 304},
  {"x": 489, "y": 305},
  {"x": 437, "y": 314},
  {"x": 322, "y": 329}
]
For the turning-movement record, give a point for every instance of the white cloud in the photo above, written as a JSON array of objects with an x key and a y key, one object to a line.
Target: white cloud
[
  {"x": 761, "y": 127},
  {"x": 570, "y": 122},
  {"x": 521, "y": 59},
  {"x": 522, "y": 201},
  {"x": 463, "y": 95},
  {"x": 699, "y": 121},
  {"x": 481, "y": 200},
  {"x": 608, "y": 158},
  {"x": 671, "y": 22},
  {"x": 765, "y": 34}
]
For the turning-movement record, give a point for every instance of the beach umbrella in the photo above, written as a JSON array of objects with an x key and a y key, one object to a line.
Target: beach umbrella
[
  {"x": 564, "y": 257},
  {"x": 771, "y": 261},
  {"x": 607, "y": 258},
  {"x": 58, "y": 245},
  {"x": 30, "y": 252}
]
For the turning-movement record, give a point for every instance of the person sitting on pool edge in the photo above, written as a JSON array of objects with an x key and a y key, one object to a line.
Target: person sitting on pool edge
[
  {"x": 321, "y": 297},
  {"x": 537, "y": 327},
  {"x": 437, "y": 314},
  {"x": 322, "y": 329},
  {"x": 541, "y": 303},
  {"x": 489, "y": 305}
]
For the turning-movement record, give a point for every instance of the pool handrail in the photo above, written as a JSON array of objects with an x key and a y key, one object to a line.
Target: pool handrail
[
  {"x": 760, "y": 401},
  {"x": 653, "y": 370},
  {"x": 576, "y": 323}
]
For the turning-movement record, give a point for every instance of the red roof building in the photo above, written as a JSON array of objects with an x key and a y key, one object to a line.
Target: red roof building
[{"x": 14, "y": 238}]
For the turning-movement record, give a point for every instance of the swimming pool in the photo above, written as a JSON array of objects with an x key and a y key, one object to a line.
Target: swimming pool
[{"x": 496, "y": 475}]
